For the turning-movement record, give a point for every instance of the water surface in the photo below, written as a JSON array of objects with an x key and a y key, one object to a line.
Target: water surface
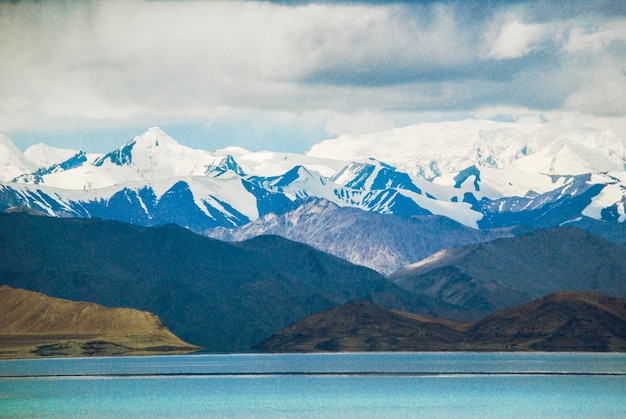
[{"x": 318, "y": 385}]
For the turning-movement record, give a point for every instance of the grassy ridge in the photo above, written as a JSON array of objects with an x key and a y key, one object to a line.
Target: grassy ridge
[{"x": 34, "y": 324}]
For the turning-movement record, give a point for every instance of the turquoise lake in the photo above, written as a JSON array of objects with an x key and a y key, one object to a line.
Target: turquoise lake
[{"x": 384, "y": 385}]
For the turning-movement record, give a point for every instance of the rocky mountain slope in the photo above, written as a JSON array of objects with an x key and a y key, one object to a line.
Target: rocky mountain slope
[
  {"x": 562, "y": 321},
  {"x": 384, "y": 243},
  {"x": 482, "y": 278},
  {"x": 221, "y": 296},
  {"x": 33, "y": 324}
]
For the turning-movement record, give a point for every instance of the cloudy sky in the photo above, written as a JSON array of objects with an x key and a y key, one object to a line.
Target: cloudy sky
[{"x": 285, "y": 75}]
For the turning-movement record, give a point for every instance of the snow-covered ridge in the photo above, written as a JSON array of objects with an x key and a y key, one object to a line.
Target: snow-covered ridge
[
  {"x": 479, "y": 173},
  {"x": 435, "y": 149},
  {"x": 12, "y": 161},
  {"x": 151, "y": 156},
  {"x": 43, "y": 155}
]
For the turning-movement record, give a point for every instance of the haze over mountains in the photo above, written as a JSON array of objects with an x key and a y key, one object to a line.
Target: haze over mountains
[{"x": 498, "y": 177}]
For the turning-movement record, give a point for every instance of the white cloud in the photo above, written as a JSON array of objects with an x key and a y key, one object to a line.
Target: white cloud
[
  {"x": 579, "y": 119},
  {"x": 523, "y": 115},
  {"x": 595, "y": 59},
  {"x": 361, "y": 123},
  {"x": 353, "y": 66},
  {"x": 581, "y": 39},
  {"x": 602, "y": 91},
  {"x": 516, "y": 39}
]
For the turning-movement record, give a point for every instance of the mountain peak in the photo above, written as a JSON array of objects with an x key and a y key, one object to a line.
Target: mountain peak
[
  {"x": 296, "y": 173},
  {"x": 46, "y": 156},
  {"x": 144, "y": 144},
  {"x": 75, "y": 160},
  {"x": 156, "y": 137},
  {"x": 223, "y": 166},
  {"x": 156, "y": 155},
  {"x": 12, "y": 161},
  {"x": 156, "y": 130},
  {"x": 374, "y": 175}
]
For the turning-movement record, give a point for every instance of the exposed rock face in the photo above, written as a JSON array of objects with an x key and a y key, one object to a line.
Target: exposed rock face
[
  {"x": 384, "y": 243},
  {"x": 562, "y": 321},
  {"x": 33, "y": 324}
]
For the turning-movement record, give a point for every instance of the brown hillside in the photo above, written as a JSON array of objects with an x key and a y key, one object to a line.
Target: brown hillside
[
  {"x": 363, "y": 326},
  {"x": 33, "y": 324},
  {"x": 562, "y": 321}
]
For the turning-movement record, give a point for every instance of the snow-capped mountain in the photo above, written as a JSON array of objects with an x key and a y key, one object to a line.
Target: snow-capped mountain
[
  {"x": 44, "y": 156},
  {"x": 154, "y": 155},
  {"x": 12, "y": 161},
  {"x": 37, "y": 176},
  {"x": 435, "y": 149},
  {"x": 480, "y": 174},
  {"x": 151, "y": 156}
]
